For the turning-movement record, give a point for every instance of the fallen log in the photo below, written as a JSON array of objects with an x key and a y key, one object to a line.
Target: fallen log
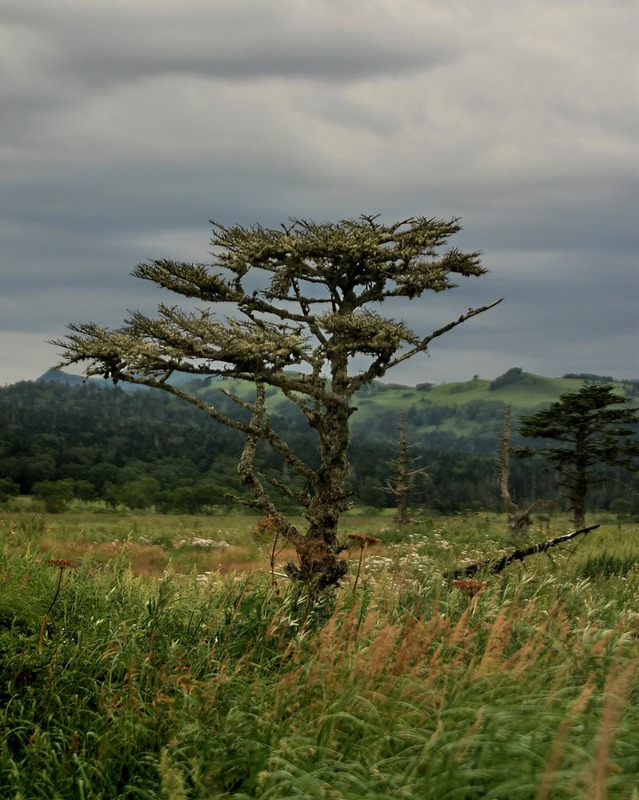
[{"x": 498, "y": 565}]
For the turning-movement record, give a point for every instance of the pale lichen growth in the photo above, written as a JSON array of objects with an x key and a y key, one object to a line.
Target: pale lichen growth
[{"x": 301, "y": 296}]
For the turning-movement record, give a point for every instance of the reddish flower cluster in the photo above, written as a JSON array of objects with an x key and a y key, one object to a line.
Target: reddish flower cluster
[
  {"x": 274, "y": 523},
  {"x": 62, "y": 563},
  {"x": 363, "y": 539},
  {"x": 470, "y": 587}
]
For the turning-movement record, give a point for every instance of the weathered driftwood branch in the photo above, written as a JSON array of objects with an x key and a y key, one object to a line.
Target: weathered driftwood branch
[{"x": 517, "y": 555}]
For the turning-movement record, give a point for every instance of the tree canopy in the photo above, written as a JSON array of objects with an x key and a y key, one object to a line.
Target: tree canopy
[
  {"x": 304, "y": 303},
  {"x": 593, "y": 426}
]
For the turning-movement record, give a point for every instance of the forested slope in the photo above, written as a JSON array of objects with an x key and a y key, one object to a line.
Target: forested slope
[{"x": 143, "y": 448}]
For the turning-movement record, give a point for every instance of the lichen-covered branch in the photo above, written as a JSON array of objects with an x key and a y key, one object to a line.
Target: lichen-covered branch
[{"x": 297, "y": 315}]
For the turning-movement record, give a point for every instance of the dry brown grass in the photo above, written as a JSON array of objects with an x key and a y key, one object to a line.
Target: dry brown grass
[
  {"x": 76, "y": 540},
  {"x": 152, "y": 560},
  {"x": 619, "y": 684}
]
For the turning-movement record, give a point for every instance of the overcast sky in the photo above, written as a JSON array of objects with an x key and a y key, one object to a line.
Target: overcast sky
[{"x": 125, "y": 125}]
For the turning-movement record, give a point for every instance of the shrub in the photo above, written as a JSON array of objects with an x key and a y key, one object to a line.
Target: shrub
[{"x": 510, "y": 377}]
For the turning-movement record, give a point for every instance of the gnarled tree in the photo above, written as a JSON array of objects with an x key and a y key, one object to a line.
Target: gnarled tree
[{"x": 305, "y": 300}]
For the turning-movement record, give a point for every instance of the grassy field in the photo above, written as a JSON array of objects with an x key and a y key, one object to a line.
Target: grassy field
[{"x": 165, "y": 657}]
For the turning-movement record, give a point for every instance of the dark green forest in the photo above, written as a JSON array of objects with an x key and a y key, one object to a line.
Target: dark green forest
[{"x": 144, "y": 449}]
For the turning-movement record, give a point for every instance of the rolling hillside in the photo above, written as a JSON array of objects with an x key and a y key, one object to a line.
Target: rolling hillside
[
  {"x": 462, "y": 410},
  {"x": 141, "y": 448}
]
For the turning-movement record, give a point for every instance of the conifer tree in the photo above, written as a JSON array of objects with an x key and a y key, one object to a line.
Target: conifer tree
[
  {"x": 302, "y": 306},
  {"x": 591, "y": 427}
]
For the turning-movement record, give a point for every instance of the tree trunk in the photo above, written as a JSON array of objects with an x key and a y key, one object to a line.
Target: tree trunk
[
  {"x": 399, "y": 485},
  {"x": 580, "y": 483},
  {"x": 504, "y": 460},
  {"x": 402, "y": 484},
  {"x": 318, "y": 550},
  {"x": 579, "y": 511},
  {"x": 518, "y": 521}
]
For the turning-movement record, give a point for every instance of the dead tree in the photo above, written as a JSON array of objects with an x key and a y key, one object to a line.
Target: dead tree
[
  {"x": 403, "y": 471},
  {"x": 518, "y": 521}
]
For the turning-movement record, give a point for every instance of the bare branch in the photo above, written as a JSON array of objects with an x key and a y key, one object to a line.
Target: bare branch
[{"x": 380, "y": 366}]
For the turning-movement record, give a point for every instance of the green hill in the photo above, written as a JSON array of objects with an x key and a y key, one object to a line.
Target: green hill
[
  {"x": 459, "y": 416},
  {"x": 148, "y": 447},
  {"x": 528, "y": 392},
  {"x": 522, "y": 389}
]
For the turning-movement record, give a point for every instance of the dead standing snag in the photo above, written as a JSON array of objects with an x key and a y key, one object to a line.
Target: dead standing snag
[{"x": 518, "y": 521}]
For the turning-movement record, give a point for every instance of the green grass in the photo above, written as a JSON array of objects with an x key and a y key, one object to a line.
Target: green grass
[{"x": 122, "y": 685}]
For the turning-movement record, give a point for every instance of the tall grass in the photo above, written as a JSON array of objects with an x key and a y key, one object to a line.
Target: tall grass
[{"x": 114, "y": 685}]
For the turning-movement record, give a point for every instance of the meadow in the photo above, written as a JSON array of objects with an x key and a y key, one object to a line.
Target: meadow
[{"x": 148, "y": 656}]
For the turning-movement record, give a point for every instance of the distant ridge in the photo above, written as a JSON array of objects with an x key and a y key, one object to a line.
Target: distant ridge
[
  {"x": 59, "y": 376},
  {"x": 522, "y": 389},
  {"x": 70, "y": 379},
  {"x": 60, "y": 427}
]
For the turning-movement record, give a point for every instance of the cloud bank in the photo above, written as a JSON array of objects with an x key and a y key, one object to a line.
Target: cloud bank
[{"x": 127, "y": 125}]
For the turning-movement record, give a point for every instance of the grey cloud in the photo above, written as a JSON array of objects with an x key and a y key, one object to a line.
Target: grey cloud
[
  {"x": 126, "y": 126},
  {"x": 106, "y": 44}
]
